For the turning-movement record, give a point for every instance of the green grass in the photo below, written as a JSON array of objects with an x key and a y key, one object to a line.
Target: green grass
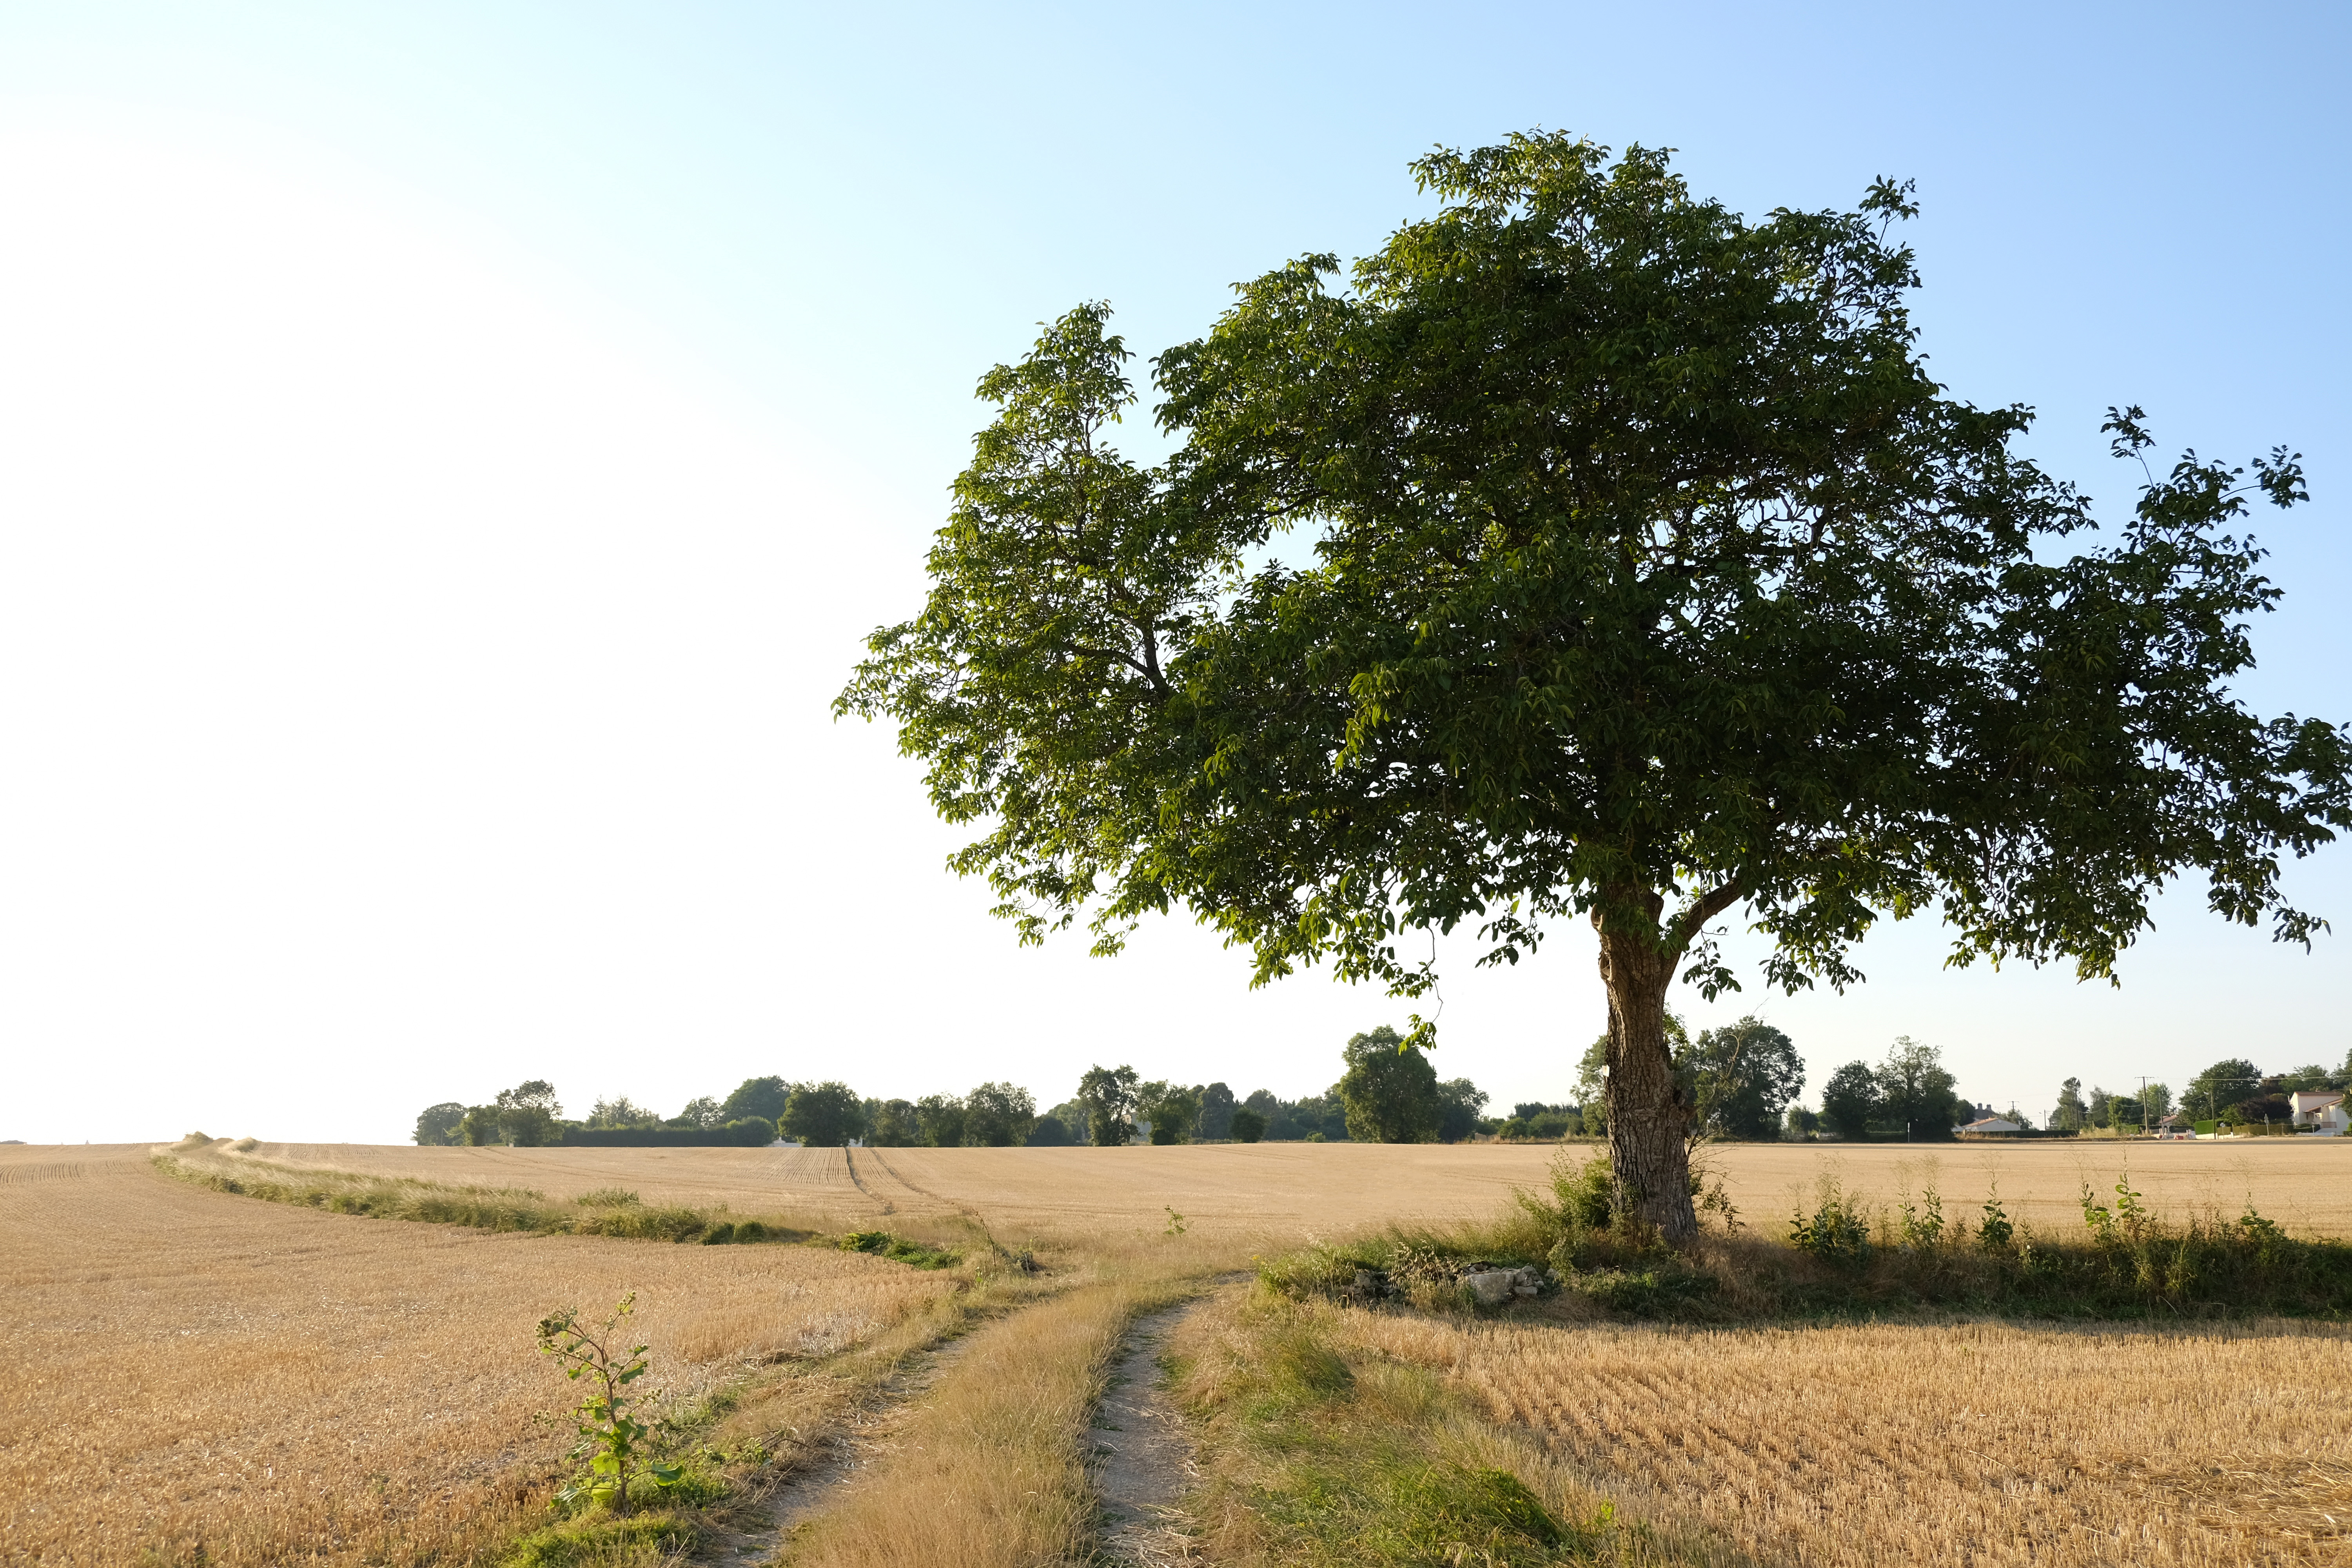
[
  {"x": 883, "y": 1244},
  {"x": 1839, "y": 1257},
  {"x": 1318, "y": 1458},
  {"x": 479, "y": 1207},
  {"x": 640, "y": 1541}
]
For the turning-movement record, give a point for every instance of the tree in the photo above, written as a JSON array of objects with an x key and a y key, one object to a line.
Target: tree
[
  {"x": 2070, "y": 1113},
  {"x": 2222, "y": 1086},
  {"x": 622, "y": 1111},
  {"x": 1850, "y": 1100},
  {"x": 1460, "y": 1103},
  {"x": 757, "y": 1097},
  {"x": 1652, "y": 576},
  {"x": 1172, "y": 1109},
  {"x": 437, "y": 1125},
  {"x": 2158, "y": 1098},
  {"x": 1916, "y": 1091},
  {"x": 480, "y": 1127},
  {"x": 1802, "y": 1123},
  {"x": 1109, "y": 1095},
  {"x": 1217, "y": 1106},
  {"x": 999, "y": 1116},
  {"x": 892, "y": 1123},
  {"x": 527, "y": 1113},
  {"x": 1741, "y": 1076},
  {"x": 940, "y": 1118},
  {"x": 823, "y": 1115},
  {"x": 1050, "y": 1132},
  {"x": 1248, "y": 1125},
  {"x": 704, "y": 1112},
  {"x": 1389, "y": 1090}
]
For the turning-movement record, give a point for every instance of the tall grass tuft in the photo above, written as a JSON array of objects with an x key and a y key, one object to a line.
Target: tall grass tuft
[{"x": 613, "y": 1213}]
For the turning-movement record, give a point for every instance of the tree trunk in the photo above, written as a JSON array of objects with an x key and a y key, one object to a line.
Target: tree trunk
[{"x": 1648, "y": 1117}]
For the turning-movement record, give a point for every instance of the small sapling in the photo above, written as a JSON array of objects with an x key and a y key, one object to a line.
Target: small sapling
[{"x": 610, "y": 1436}]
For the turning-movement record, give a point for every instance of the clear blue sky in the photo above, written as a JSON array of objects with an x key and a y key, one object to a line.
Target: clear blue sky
[{"x": 448, "y": 454}]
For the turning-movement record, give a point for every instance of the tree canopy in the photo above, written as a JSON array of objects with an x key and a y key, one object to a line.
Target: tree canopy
[
  {"x": 1389, "y": 1090},
  {"x": 1742, "y": 1077},
  {"x": 1652, "y": 576}
]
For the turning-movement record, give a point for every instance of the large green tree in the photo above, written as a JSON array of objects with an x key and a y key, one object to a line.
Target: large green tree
[
  {"x": 1389, "y": 1090},
  {"x": 1647, "y": 576},
  {"x": 823, "y": 1115},
  {"x": 1741, "y": 1076}
]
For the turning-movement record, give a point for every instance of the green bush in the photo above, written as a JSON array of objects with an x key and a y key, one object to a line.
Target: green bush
[{"x": 898, "y": 1249}]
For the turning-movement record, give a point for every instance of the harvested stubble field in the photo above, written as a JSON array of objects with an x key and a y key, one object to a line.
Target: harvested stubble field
[
  {"x": 1964, "y": 1442},
  {"x": 276, "y": 1384},
  {"x": 286, "y": 1385},
  {"x": 1283, "y": 1192}
]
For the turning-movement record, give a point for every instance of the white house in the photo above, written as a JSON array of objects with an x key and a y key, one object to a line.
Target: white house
[
  {"x": 1991, "y": 1126},
  {"x": 2320, "y": 1111}
]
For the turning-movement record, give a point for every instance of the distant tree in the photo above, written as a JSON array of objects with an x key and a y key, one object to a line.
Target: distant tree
[
  {"x": 2070, "y": 1114},
  {"x": 1528, "y": 1111},
  {"x": 1460, "y": 1103},
  {"x": 823, "y": 1115},
  {"x": 2100, "y": 1109},
  {"x": 1109, "y": 1095},
  {"x": 1915, "y": 1093},
  {"x": 437, "y": 1125},
  {"x": 2124, "y": 1114},
  {"x": 2222, "y": 1086},
  {"x": 1800, "y": 1123},
  {"x": 1850, "y": 1100},
  {"x": 1172, "y": 1110},
  {"x": 622, "y": 1111},
  {"x": 2313, "y": 1077},
  {"x": 1741, "y": 1076},
  {"x": 481, "y": 1126},
  {"x": 527, "y": 1113},
  {"x": 999, "y": 1116},
  {"x": 2158, "y": 1098},
  {"x": 758, "y": 1097},
  {"x": 941, "y": 1118},
  {"x": 1217, "y": 1104},
  {"x": 892, "y": 1123},
  {"x": 705, "y": 1112},
  {"x": 1050, "y": 1132},
  {"x": 1248, "y": 1125},
  {"x": 1389, "y": 1090}
]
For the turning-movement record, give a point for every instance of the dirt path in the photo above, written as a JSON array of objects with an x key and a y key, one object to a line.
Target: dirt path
[
  {"x": 1143, "y": 1459},
  {"x": 805, "y": 1489}
]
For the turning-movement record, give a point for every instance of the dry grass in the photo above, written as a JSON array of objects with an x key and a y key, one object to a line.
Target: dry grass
[
  {"x": 1982, "y": 1443},
  {"x": 269, "y": 1384},
  {"x": 990, "y": 1469}
]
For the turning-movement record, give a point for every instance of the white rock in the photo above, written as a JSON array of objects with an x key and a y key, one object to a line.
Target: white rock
[{"x": 1494, "y": 1287}]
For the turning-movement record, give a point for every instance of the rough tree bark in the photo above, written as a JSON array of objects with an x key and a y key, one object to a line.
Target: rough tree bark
[{"x": 1649, "y": 1115}]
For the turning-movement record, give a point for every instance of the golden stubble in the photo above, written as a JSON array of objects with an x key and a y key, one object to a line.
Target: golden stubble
[
  {"x": 1986, "y": 1443},
  {"x": 276, "y": 1386}
]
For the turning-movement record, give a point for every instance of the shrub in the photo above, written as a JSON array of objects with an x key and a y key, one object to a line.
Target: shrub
[
  {"x": 898, "y": 1249},
  {"x": 1248, "y": 1126}
]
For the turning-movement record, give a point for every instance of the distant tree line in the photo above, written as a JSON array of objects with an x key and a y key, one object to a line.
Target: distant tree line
[{"x": 1388, "y": 1093}]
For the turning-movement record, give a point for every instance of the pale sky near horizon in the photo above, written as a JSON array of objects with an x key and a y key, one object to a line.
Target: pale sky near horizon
[{"x": 450, "y": 454}]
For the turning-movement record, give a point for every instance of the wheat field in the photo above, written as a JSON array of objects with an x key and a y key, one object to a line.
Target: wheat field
[
  {"x": 1977, "y": 1444},
  {"x": 1281, "y": 1194},
  {"x": 208, "y": 1378}
]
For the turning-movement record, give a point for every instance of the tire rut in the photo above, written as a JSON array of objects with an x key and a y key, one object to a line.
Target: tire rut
[
  {"x": 1143, "y": 1457},
  {"x": 798, "y": 1493}
]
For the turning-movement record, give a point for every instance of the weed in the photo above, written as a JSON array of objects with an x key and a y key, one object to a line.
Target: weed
[
  {"x": 640, "y": 1541},
  {"x": 610, "y": 1433},
  {"x": 608, "y": 1198}
]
